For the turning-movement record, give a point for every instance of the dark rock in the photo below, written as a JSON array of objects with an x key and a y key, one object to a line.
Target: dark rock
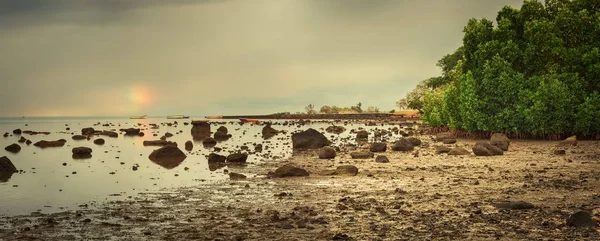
[
  {"x": 258, "y": 148},
  {"x": 131, "y": 131},
  {"x": 87, "y": 131},
  {"x": 581, "y": 219},
  {"x": 480, "y": 150},
  {"x": 13, "y": 148},
  {"x": 500, "y": 140},
  {"x": 213, "y": 157},
  {"x": 6, "y": 165},
  {"x": 209, "y": 142},
  {"x": 362, "y": 155},
  {"x": 414, "y": 141},
  {"x": 222, "y": 129},
  {"x": 403, "y": 145},
  {"x": 486, "y": 149},
  {"x": 309, "y": 139},
  {"x": 45, "y": 144},
  {"x": 559, "y": 152},
  {"x": 28, "y": 142},
  {"x": 79, "y": 137},
  {"x": 268, "y": 132},
  {"x": 514, "y": 205},
  {"x": 22, "y": 139},
  {"x": 200, "y": 130},
  {"x": 444, "y": 135},
  {"x": 290, "y": 171},
  {"x": 6, "y": 134},
  {"x": 378, "y": 147},
  {"x": 382, "y": 159},
  {"x": 449, "y": 141},
  {"x": 236, "y": 176},
  {"x": 167, "y": 156},
  {"x": 362, "y": 134},
  {"x": 237, "y": 158},
  {"x": 99, "y": 141},
  {"x": 442, "y": 149},
  {"x": 17, "y": 131},
  {"x": 327, "y": 153},
  {"x": 189, "y": 146},
  {"x": 335, "y": 129},
  {"x": 111, "y": 134},
  {"x": 81, "y": 152},
  {"x": 159, "y": 143},
  {"x": 221, "y": 136},
  {"x": 458, "y": 151},
  {"x": 168, "y": 134},
  {"x": 571, "y": 141},
  {"x": 346, "y": 170}
]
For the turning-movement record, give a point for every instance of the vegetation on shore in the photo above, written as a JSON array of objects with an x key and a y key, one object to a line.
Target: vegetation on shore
[{"x": 535, "y": 72}]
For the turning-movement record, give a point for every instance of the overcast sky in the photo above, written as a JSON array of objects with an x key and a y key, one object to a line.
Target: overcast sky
[{"x": 209, "y": 57}]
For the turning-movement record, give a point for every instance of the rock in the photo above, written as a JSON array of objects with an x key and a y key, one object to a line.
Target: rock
[
  {"x": 159, "y": 143},
  {"x": 213, "y": 157},
  {"x": 403, "y": 145},
  {"x": 13, "y": 148},
  {"x": 458, "y": 151},
  {"x": 45, "y": 144},
  {"x": 486, "y": 149},
  {"x": 167, "y": 156},
  {"x": 258, "y": 148},
  {"x": 361, "y": 155},
  {"x": 81, "y": 152},
  {"x": 378, "y": 147},
  {"x": 221, "y": 136},
  {"x": 111, "y": 134},
  {"x": 209, "y": 142},
  {"x": 449, "y": 141},
  {"x": 6, "y": 134},
  {"x": 99, "y": 141},
  {"x": 309, "y": 139},
  {"x": 237, "y": 158},
  {"x": 17, "y": 131},
  {"x": 559, "y": 152},
  {"x": 168, "y": 134},
  {"x": 189, "y": 146},
  {"x": 268, "y": 132},
  {"x": 236, "y": 176},
  {"x": 200, "y": 130},
  {"x": 131, "y": 131},
  {"x": 6, "y": 165},
  {"x": 346, "y": 170},
  {"x": 414, "y": 141},
  {"x": 327, "y": 153},
  {"x": 362, "y": 134},
  {"x": 514, "y": 205},
  {"x": 290, "y": 171},
  {"x": 22, "y": 139},
  {"x": 444, "y": 135},
  {"x": 480, "y": 150},
  {"x": 382, "y": 159},
  {"x": 79, "y": 137},
  {"x": 500, "y": 140},
  {"x": 335, "y": 129},
  {"x": 87, "y": 131},
  {"x": 442, "y": 149},
  {"x": 571, "y": 141},
  {"x": 28, "y": 142},
  {"x": 581, "y": 219},
  {"x": 222, "y": 129}
]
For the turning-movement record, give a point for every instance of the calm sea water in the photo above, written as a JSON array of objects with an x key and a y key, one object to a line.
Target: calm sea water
[{"x": 53, "y": 181}]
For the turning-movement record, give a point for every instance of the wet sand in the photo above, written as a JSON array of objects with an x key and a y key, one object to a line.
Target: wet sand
[{"x": 416, "y": 196}]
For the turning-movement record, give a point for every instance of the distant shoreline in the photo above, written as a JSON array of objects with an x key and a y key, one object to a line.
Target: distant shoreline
[{"x": 369, "y": 116}]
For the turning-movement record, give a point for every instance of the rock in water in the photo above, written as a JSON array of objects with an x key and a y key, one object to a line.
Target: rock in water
[
  {"x": 571, "y": 141},
  {"x": 236, "y": 176},
  {"x": 500, "y": 140},
  {"x": 99, "y": 141},
  {"x": 581, "y": 219},
  {"x": 327, "y": 153},
  {"x": 362, "y": 155},
  {"x": 109, "y": 134},
  {"x": 189, "y": 146},
  {"x": 309, "y": 139},
  {"x": 237, "y": 158},
  {"x": 221, "y": 136},
  {"x": 378, "y": 147},
  {"x": 268, "y": 132},
  {"x": 167, "y": 156},
  {"x": 82, "y": 152},
  {"x": 87, "y": 131},
  {"x": 159, "y": 143},
  {"x": 335, "y": 129},
  {"x": 131, "y": 131},
  {"x": 6, "y": 165},
  {"x": 13, "y": 148},
  {"x": 382, "y": 159},
  {"x": 213, "y": 157},
  {"x": 403, "y": 145},
  {"x": 222, "y": 129},
  {"x": 22, "y": 139},
  {"x": 79, "y": 137},
  {"x": 346, "y": 170},
  {"x": 209, "y": 142},
  {"x": 45, "y": 144},
  {"x": 290, "y": 171},
  {"x": 458, "y": 151},
  {"x": 200, "y": 130},
  {"x": 17, "y": 131}
]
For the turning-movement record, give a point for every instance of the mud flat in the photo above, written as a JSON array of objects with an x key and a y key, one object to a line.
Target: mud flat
[{"x": 531, "y": 192}]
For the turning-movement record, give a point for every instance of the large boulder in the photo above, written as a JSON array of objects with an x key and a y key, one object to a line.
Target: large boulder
[
  {"x": 444, "y": 135},
  {"x": 378, "y": 147},
  {"x": 221, "y": 136},
  {"x": 581, "y": 219},
  {"x": 87, "y": 131},
  {"x": 362, "y": 134},
  {"x": 403, "y": 145},
  {"x": 268, "y": 132},
  {"x": 213, "y": 158},
  {"x": 415, "y": 141},
  {"x": 81, "y": 152},
  {"x": 348, "y": 170},
  {"x": 500, "y": 140},
  {"x": 571, "y": 141},
  {"x": 290, "y": 171},
  {"x": 335, "y": 129},
  {"x": 45, "y": 144},
  {"x": 326, "y": 153},
  {"x": 309, "y": 139},
  {"x": 362, "y": 155},
  {"x": 200, "y": 130},
  {"x": 189, "y": 146},
  {"x": 159, "y": 143},
  {"x": 495, "y": 150},
  {"x": 458, "y": 151},
  {"x": 6, "y": 165},
  {"x": 237, "y": 158},
  {"x": 167, "y": 156},
  {"x": 209, "y": 142},
  {"x": 13, "y": 148},
  {"x": 442, "y": 149}
]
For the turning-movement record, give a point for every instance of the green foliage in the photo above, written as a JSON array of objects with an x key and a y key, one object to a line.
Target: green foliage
[
  {"x": 588, "y": 115},
  {"x": 433, "y": 107}
]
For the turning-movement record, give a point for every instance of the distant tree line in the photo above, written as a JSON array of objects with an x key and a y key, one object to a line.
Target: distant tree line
[
  {"x": 536, "y": 72},
  {"x": 326, "y": 109}
]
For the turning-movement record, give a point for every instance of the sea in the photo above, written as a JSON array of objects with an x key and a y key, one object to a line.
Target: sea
[{"x": 50, "y": 180}]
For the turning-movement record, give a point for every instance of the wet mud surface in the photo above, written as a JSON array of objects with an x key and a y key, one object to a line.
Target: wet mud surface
[{"x": 418, "y": 195}]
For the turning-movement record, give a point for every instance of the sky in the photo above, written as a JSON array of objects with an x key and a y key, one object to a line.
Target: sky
[{"x": 221, "y": 57}]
